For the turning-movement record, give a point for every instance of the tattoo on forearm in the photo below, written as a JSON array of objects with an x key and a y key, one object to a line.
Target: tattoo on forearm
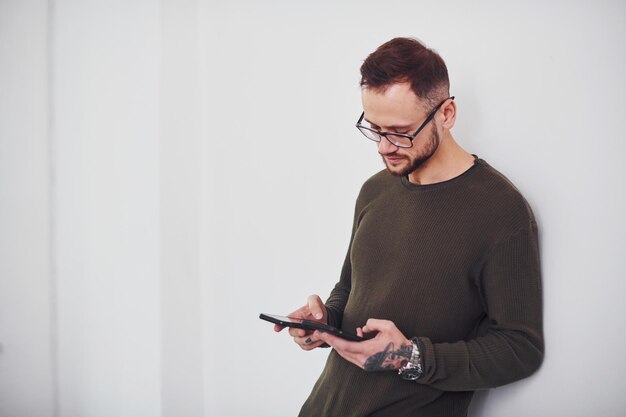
[{"x": 389, "y": 358}]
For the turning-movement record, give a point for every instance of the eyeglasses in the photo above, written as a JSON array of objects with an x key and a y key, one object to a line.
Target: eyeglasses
[{"x": 401, "y": 140}]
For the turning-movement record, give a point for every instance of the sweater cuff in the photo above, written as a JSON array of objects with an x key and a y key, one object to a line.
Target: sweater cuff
[{"x": 427, "y": 353}]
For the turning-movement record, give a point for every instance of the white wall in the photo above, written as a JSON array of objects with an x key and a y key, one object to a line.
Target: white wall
[
  {"x": 105, "y": 83},
  {"x": 540, "y": 91},
  {"x": 26, "y": 336},
  {"x": 169, "y": 168},
  {"x": 180, "y": 147},
  {"x": 100, "y": 281}
]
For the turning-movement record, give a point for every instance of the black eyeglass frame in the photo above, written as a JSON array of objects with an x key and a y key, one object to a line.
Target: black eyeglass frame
[{"x": 404, "y": 135}]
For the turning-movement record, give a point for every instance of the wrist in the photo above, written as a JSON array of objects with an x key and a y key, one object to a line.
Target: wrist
[{"x": 413, "y": 369}]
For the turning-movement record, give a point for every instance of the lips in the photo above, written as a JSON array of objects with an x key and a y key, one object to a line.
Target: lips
[{"x": 394, "y": 160}]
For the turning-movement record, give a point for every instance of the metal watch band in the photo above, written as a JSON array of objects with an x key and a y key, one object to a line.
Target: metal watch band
[{"x": 413, "y": 369}]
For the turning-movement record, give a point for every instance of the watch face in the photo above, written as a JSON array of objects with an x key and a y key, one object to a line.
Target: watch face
[{"x": 411, "y": 374}]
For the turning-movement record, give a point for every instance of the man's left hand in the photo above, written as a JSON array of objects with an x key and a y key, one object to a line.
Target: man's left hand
[{"x": 388, "y": 350}]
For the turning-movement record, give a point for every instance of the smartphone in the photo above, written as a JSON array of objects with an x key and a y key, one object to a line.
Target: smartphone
[{"x": 309, "y": 325}]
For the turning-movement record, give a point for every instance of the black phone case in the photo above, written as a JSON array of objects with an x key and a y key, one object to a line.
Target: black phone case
[{"x": 313, "y": 325}]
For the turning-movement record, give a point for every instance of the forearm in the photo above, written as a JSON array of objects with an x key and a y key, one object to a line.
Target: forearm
[
  {"x": 335, "y": 305},
  {"x": 336, "y": 302},
  {"x": 498, "y": 358}
]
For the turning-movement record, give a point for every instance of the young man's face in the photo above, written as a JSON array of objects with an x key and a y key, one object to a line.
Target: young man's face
[{"x": 397, "y": 109}]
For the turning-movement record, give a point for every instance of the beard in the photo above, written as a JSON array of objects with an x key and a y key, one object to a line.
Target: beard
[{"x": 430, "y": 147}]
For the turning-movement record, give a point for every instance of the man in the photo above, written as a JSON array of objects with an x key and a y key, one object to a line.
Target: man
[{"x": 443, "y": 263}]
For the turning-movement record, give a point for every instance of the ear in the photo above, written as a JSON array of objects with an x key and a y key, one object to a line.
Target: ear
[{"x": 449, "y": 114}]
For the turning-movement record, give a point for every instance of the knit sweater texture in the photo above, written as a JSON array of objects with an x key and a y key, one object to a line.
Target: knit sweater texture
[{"x": 455, "y": 264}]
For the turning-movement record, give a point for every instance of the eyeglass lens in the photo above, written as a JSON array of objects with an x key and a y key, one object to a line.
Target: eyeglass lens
[{"x": 372, "y": 134}]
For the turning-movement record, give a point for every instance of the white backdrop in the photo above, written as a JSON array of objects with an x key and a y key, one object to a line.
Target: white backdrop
[{"x": 170, "y": 169}]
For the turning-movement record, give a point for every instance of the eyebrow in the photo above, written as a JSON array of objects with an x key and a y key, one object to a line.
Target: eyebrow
[{"x": 395, "y": 127}]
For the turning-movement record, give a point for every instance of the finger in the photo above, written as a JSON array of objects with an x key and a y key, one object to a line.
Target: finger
[
  {"x": 376, "y": 325},
  {"x": 316, "y": 306},
  {"x": 337, "y": 342},
  {"x": 350, "y": 358},
  {"x": 278, "y": 328},
  {"x": 359, "y": 332},
  {"x": 295, "y": 332},
  {"x": 308, "y": 342},
  {"x": 313, "y": 345}
]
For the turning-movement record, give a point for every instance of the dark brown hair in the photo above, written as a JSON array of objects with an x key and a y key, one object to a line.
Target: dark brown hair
[{"x": 407, "y": 60}]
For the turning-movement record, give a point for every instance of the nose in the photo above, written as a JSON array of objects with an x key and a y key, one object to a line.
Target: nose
[{"x": 385, "y": 147}]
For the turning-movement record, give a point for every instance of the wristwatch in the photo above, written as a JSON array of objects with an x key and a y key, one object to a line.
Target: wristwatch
[{"x": 413, "y": 369}]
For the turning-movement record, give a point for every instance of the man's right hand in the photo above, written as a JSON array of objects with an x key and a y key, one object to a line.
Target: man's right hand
[{"x": 314, "y": 309}]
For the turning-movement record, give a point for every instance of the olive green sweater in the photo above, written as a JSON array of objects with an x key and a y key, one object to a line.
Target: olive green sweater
[{"x": 455, "y": 264}]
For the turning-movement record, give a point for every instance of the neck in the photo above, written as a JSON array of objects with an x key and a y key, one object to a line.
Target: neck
[{"x": 448, "y": 161}]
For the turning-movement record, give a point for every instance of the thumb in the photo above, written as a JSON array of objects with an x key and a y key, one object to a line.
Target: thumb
[
  {"x": 316, "y": 307},
  {"x": 375, "y": 325}
]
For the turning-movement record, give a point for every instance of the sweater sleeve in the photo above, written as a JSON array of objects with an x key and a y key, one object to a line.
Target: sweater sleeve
[
  {"x": 511, "y": 344},
  {"x": 338, "y": 298},
  {"x": 336, "y": 302}
]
